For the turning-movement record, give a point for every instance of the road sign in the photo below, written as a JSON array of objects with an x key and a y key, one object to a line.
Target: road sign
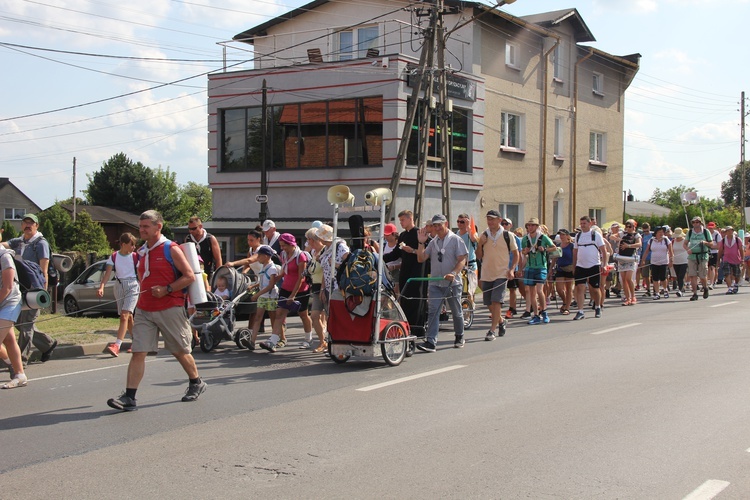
[{"x": 261, "y": 198}]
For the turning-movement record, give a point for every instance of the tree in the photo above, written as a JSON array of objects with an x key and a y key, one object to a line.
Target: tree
[
  {"x": 124, "y": 184},
  {"x": 730, "y": 190},
  {"x": 8, "y": 231},
  {"x": 61, "y": 223},
  {"x": 671, "y": 198},
  {"x": 89, "y": 236},
  {"x": 49, "y": 234},
  {"x": 195, "y": 199}
]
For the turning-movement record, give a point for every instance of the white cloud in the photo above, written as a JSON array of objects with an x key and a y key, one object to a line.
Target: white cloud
[
  {"x": 625, "y": 6},
  {"x": 678, "y": 62}
]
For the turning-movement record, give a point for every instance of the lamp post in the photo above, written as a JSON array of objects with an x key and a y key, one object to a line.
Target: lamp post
[{"x": 626, "y": 196}]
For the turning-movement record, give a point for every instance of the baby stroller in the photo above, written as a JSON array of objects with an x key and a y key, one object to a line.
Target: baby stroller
[{"x": 215, "y": 318}]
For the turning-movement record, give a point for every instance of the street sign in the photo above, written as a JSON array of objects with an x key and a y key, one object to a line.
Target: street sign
[{"x": 261, "y": 198}]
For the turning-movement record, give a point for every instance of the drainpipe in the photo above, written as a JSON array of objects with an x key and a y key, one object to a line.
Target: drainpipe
[
  {"x": 574, "y": 155},
  {"x": 544, "y": 130}
]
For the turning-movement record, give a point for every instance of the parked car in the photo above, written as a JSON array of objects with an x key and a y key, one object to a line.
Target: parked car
[{"x": 81, "y": 297}]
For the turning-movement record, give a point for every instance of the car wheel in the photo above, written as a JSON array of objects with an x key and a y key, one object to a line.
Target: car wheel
[{"x": 71, "y": 306}]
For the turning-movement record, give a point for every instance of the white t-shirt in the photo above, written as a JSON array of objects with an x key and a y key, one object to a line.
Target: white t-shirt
[
  {"x": 588, "y": 249},
  {"x": 660, "y": 251},
  {"x": 264, "y": 278},
  {"x": 680, "y": 254},
  {"x": 124, "y": 266}
]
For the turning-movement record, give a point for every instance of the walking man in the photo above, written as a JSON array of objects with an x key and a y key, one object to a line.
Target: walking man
[
  {"x": 589, "y": 258},
  {"x": 467, "y": 233},
  {"x": 698, "y": 244},
  {"x": 208, "y": 246},
  {"x": 447, "y": 254},
  {"x": 160, "y": 309},
  {"x": 731, "y": 257},
  {"x": 497, "y": 248},
  {"x": 32, "y": 247}
]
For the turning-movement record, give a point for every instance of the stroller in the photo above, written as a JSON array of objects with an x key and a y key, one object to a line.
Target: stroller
[{"x": 215, "y": 318}]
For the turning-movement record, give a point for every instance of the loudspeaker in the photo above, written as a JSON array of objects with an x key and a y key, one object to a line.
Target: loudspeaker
[
  {"x": 379, "y": 196},
  {"x": 340, "y": 194}
]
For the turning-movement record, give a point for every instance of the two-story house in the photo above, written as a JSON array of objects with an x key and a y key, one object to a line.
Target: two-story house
[
  {"x": 15, "y": 204},
  {"x": 535, "y": 123}
]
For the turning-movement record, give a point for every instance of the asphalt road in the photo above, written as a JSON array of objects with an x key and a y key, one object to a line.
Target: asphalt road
[{"x": 648, "y": 402}]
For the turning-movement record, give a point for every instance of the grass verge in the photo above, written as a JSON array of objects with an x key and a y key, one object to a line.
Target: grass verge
[{"x": 77, "y": 331}]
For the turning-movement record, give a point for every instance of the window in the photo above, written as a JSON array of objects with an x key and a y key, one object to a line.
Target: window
[
  {"x": 511, "y": 55},
  {"x": 597, "y": 148},
  {"x": 352, "y": 44},
  {"x": 598, "y": 84},
  {"x": 557, "y": 67},
  {"x": 597, "y": 214},
  {"x": 14, "y": 213},
  {"x": 511, "y": 132},
  {"x": 559, "y": 153},
  {"x": 513, "y": 212},
  {"x": 319, "y": 134},
  {"x": 458, "y": 135}
]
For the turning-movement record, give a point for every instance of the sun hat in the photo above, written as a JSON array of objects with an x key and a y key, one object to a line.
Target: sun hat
[
  {"x": 324, "y": 232},
  {"x": 533, "y": 221},
  {"x": 288, "y": 238},
  {"x": 677, "y": 233}
]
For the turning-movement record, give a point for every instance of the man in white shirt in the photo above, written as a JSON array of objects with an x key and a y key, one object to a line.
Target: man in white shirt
[{"x": 589, "y": 258}]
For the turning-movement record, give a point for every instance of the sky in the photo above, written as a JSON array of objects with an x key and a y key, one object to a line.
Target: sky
[{"x": 88, "y": 79}]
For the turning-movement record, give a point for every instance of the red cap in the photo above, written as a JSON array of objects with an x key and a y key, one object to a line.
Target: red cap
[
  {"x": 389, "y": 229},
  {"x": 711, "y": 225}
]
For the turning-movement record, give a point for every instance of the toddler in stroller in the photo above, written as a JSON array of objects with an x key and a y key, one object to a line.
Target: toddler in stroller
[{"x": 214, "y": 319}]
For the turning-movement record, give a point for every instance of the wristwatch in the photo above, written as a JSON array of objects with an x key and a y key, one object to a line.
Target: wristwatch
[{"x": 169, "y": 288}]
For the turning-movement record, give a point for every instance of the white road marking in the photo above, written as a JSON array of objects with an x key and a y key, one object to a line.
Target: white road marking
[
  {"x": 622, "y": 327},
  {"x": 707, "y": 490},
  {"x": 411, "y": 377},
  {"x": 84, "y": 371},
  {"x": 724, "y": 304}
]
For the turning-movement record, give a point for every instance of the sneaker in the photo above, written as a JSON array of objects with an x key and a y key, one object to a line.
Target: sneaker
[
  {"x": 304, "y": 345},
  {"x": 322, "y": 347},
  {"x": 666, "y": 295},
  {"x": 536, "y": 320},
  {"x": 598, "y": 312},
  {"x": 579, "y": 315},
  {"x": 647, "y": 294},
  {"x": 607, "y": 294},
  {"x": 509, "y": 313},
  {"x": 694, "y": 297},
  {"x": 710, "y": 287},
  {"x": 490, "y": 336},
  {"x": 705, "y": 292},
  {"x": 460, "y": 342},
  {"x": 633, "y": 301},
  {"x": 427, "y": 346},
  {"x": 526, "y": 315},
  {"x": 113, "y": 349},
  {"x": 729, "y": 292},
  {"x": 45, "y": 356},
  {"x": 545, "y": 317},
  {"x": 679, "y": 293},
  {"x": 267, "y": 346},
  {"x": 123, "y": 403},
  {"x": 501, "y": 328},
  {"x": 193, "y": 391}
]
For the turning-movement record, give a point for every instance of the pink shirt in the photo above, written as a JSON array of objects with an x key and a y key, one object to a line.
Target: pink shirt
[
  {"x": 291, "y": 273},
  {"x": 731, "y": 250}
]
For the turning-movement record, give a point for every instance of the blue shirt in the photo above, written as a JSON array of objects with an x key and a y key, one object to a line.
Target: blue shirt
[
  {"x": 33, "y": 252},
  {"x": 471, "y": 259}
]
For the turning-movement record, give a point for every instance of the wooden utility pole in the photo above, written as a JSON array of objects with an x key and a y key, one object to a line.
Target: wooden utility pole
[
  {"x": 74, "y": 189},
  {"x": 263, "y": 214},
  {"x": 743, "y": 178}
]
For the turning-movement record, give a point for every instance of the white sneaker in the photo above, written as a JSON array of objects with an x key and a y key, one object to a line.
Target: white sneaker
[{"x": 304, "y": 345}]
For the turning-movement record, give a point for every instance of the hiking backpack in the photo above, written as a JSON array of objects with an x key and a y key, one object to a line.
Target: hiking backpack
[
  {"x": 136, "y": 258},
  {"x": 29, "y": 275},
  {"x": 360, "y": 273}
]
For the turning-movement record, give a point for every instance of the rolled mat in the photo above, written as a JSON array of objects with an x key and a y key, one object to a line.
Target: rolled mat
[
  {"x": 62, "y": 263},
  {"x": 196, "y": 291},
  {"x": 36, "y": 299}
]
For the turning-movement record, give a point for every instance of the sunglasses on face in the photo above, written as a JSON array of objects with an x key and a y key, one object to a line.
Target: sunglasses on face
[
  {"x": 192, "y": 228},
  {"x": 628, "y": 225},
  {"x": 505, "y": 223},
  {"x": 460, "y": 221}
]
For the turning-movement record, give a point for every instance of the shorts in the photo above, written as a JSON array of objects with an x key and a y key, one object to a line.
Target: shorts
[
  {"x": 302, "y": 297},
  {"x": 646, "y": 269},
  {"x": 563, "y": 274},
  {"x": 513, "y": 284},
  {"x": 590, "y": 274},
  {"x": 315, "y": 303},
  {"x": 532, "y": 276},
  {"x": 697, "y": 268},
  {"x": 126, "y": 294},
  {"x": 270, "y": 304},
  {"x": 658, "y": 272},
  {"x": 732, "y": 270},
  {"x": 713, "y": 259},
  {"x": 494, "y": 291},
  {"x": 173, "y": 325},
  {"x": 10, "y": 312}
]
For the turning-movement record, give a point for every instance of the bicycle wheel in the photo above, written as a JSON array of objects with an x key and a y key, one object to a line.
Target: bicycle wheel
[
  {"x": 468, "y": 313},
  {"x": 394, "y": 350}
]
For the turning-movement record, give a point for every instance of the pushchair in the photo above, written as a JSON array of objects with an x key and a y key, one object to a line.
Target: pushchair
[{"x": 214, "y": 319}]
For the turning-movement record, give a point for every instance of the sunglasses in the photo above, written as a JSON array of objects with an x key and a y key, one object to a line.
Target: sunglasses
[
  {"x": 459, "y": 221},
  {"x": 505, "y": 223},
  {"x": 440, "y": 255},
  {"x": 628, "y": 225},
  {"x": 192, "y": 228}
]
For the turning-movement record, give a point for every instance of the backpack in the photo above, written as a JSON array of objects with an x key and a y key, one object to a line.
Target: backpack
[
  {"x": 306, "y": 275},
  {"x": 706, "y": 235},
  {"x": 168, "y": 256},
  {"x": 136, "y": 258},
  {"x": 360, "y": 273},
  {"x": 29, "y": 275},
  {"x": 506, "y": 236},
  {"x": 593, "y": 240}
]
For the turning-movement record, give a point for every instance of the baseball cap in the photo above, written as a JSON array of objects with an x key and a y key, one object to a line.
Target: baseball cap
[
  {"x": 697, "y": 218},
  {"x": 266, "y": 250},
  {"x": 438, "y": 219},
  {"x": 32, "y": 217},
  {"x": 389, "y": 229},
  {"x": 268, "y": 224},
  {"x": 508, "y": 221},
  {"x": 563, "y": 231},
  {"x": 494, "y": 214},
  {"x": 711, "y": 225}
]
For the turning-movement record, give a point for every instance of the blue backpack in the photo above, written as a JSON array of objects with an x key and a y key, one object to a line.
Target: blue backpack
[
  {"x": 360, "y": 273},
  {"x": 30, "y": 275}
]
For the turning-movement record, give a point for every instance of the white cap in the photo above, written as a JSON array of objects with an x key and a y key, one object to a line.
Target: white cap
[{"x": 268, "y": 224}]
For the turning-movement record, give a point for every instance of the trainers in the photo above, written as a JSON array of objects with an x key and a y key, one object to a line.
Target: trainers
[
  {"x": 322, "y": 347},
  {"x": 123, "y": 403},
  {"x": 705, "y": 293},
  {"x": 460, "y": 342},
  {"x": 490, "y": 336},
  {"x": 545, "y": 317},
  {"x": 113, "y": 349},
  {"x": 45, "y": 356},
  {"x": 427, "y": 346},
  {"x": 647, "y": 294},
  {"x": 666, "y": 295},
  {"x": 304, "y": 345},
  {"x": 501, "y": 328},
  {"x": 526, "y": 314},
  {"x": 193, "y": 391},
  {"x": 657, "y": 297},
  {"x": 536, "y": 320},
  {"x": 598, "y": 312},
  {"x": 510, "y": 312},
  {"x": 694, "y": 297},
  {"x": 679, "y": 293},
  {"x": 267, "y": 346},
  {"x": 579, "y": 315}
]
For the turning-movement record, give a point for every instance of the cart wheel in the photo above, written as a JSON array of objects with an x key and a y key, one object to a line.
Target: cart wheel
[
  {"x": 207, "y": 343},
  {"x": 393, "y": 352},
  {"x": 336, "y": 360},
  {"x": 242, "y": 338},
  {"x": 468, "y": 313}
]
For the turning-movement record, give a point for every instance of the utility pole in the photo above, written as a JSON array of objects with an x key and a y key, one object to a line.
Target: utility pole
[
  {"x": 74, "y": 189},
  {"x": 265, "y": 156},
  {"x": 743, "y": 181}
]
